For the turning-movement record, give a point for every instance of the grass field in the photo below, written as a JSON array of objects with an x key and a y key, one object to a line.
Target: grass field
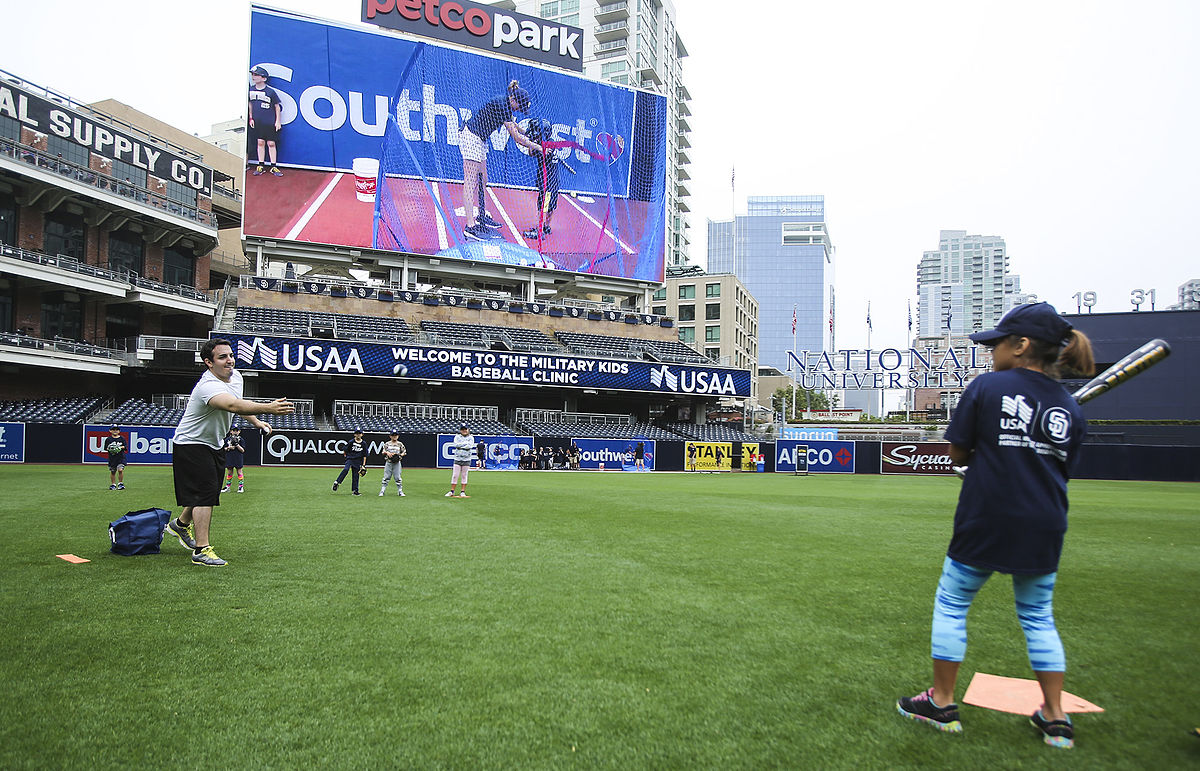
[{"x": 559, "y": 620}]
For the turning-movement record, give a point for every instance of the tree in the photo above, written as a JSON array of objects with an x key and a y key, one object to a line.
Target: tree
[{"x": 781, "y": 401}]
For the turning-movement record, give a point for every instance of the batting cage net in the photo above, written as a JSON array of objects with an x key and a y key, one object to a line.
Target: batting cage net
[{"x": 490, "y": 160}]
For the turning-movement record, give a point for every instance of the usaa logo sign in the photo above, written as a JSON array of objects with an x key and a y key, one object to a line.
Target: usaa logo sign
[{"x": 692, "y": 382}]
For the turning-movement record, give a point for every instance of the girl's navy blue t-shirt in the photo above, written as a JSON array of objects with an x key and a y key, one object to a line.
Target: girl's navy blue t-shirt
[
  {"x": 1025, "y": 430},
  {"x": 490, "y": 117}
]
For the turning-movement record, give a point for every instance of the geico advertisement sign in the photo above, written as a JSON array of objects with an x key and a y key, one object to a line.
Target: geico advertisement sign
[
  {"x": 915, "y": 458},
  {"x": 499, "y": 451},
  {"x": 836, "y": 457},
  {"x": 147, "y": 444},
  {"x": 313, "y": 448}
]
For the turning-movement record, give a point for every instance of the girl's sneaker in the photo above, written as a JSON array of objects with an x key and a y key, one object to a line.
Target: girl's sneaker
[
  {"x": 921, "y": 707},
  {"x": 1056, "y": 733}
]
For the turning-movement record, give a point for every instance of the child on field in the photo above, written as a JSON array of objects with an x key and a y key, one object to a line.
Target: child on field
[
  {"x": 464, "y": 451},
  {"x": 1019, "y": 431},
  {"x": 393, "y": 451},
  {"x": 235, "y": 458},
  {"x": 115, "y": 447}
]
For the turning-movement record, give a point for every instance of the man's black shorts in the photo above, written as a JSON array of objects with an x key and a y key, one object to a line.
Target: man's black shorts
[
  {"x": 267, "y": 132},
  {"x": 198, "y": 471}
]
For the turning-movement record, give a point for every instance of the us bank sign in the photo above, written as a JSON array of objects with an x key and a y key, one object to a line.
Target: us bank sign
[{"x": 333, "y": 357}]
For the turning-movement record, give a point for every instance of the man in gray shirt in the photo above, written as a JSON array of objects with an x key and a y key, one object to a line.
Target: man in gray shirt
[{"x": 197, "y": 460}]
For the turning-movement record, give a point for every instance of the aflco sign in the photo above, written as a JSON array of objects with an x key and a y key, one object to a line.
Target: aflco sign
[{"x": 481, "y": 26}]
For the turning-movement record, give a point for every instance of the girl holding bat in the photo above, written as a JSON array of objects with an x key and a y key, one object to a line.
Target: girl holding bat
[
  {"x": 1020, "y": 432},
  {"x": 472, "y": 143}
]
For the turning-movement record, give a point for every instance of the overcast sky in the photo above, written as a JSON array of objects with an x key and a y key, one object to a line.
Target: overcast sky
[{"x": 1070, "y": 128}]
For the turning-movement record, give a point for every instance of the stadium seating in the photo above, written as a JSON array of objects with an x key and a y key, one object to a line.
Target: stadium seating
[
  {"x": 136, "y": 412},
  {"x": 712, "y": 432},
  {"x": 74, "y": 410},
  {"x": 598, "y": 430},
  {"x": 297, "y": 421},
  {"x": 630, "y": 348},
  {"x": 484, "y": 336},
  {"x": 382, "y": 424},
  {"x": 286, "y": 322}
]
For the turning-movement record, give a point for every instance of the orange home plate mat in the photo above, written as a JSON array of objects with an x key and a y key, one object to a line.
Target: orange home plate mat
[
  {"x": 71, "y": 558},
  {"x": 1017, "y": 695}
]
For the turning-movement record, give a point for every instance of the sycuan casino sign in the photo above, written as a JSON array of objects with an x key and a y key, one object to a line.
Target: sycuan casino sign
[{"x": 476, "y": 25}]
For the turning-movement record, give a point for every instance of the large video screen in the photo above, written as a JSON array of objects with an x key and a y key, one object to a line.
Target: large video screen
[{"x": 365, "y": 139}]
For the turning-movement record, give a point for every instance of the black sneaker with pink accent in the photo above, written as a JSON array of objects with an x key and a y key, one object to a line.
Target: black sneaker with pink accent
[
  {"x": 1056, "y": 733},
  {"x": 921, "y": 707}
]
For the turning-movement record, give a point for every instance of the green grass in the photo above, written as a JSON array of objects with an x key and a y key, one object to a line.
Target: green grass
[{"x": 569, "y": 620}]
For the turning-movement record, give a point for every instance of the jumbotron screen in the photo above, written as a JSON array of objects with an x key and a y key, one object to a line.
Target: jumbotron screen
[{"x": 366, "y": 139}]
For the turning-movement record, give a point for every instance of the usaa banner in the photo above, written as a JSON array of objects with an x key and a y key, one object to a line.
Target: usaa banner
[{"x": 709, "y": 456}]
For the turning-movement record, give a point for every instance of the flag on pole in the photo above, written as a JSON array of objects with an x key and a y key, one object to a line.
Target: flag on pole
[
  {"x": 910, "y": 315},
  {"x": 793, "y": 319},
  {"x": 869, "y": 327},
  {"x": 949, "y": 315},
  {"x": 831, "y": 321}
]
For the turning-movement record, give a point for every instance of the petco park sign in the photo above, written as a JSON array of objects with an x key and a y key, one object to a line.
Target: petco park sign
[
  {"x": 332, "y": 357},
  {"x": 481, "y": 26}
]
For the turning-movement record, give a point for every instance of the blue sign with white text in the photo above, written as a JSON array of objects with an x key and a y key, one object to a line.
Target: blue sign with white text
[
  {"x": 824, "y": 457},
  {"x": 146, "y": 444},
  {"x": 330, "y": 357},
  {"x": 501, "y": 452},
  {"x": 615, "y": 454},
  {"x": 12, "y": 442}
]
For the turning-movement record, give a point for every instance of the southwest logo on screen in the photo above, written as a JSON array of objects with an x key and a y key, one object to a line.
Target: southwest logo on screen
[
  {"x": 480, "y": 26},
  {"x": 692, "y": 382}
]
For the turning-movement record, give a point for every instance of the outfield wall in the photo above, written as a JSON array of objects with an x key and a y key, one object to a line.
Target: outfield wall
[{"x": 150, "y": 445}]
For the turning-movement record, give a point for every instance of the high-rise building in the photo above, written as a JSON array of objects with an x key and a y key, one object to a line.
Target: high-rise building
[
  {"x": 714, "y": 313},
  {"x": 964, "y": 285},
  {"x": 1189, "y": 296},
  {"x": 784, "y": 257},
  {"x": 635, "y": 43}
]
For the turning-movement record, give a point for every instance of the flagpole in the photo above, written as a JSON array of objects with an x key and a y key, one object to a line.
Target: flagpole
[{"x": 794, "y": 360}]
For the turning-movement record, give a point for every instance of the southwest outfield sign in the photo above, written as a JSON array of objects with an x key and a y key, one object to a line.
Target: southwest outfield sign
[
  {"x": 887, "y": 368},
  {"x": 326, "y": 357}
]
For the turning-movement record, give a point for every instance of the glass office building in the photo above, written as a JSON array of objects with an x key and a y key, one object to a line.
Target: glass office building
[
  {"x": 784, "y": 257},
  {"x": 964, "y": 285}
]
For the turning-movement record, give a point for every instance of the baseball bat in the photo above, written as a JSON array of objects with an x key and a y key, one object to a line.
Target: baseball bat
[{"x": 1131, "y": 364}]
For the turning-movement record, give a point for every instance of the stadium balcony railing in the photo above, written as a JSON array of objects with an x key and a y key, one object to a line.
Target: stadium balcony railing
[
  {"x": 127, "y": 277},
  {"x": 61, "y": 410},
  {"x": 62, "y": 345},
  {"x": 105, "y": 183},
  {"x": 494, "y": 301}
]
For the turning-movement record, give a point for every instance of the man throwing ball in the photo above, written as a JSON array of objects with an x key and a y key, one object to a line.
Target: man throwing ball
[{"x": 197, "y": 460}]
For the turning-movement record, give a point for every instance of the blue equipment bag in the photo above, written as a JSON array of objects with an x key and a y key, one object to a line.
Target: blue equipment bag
[{"x": 138, "y": 532}]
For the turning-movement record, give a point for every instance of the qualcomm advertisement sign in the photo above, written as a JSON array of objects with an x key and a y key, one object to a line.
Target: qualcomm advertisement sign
[
  {"x": 327, "y": 357},
  {"x": 824, "y": 457},
  {"x": 147, "y": 444},
  {"x": 12, "y": 442},
  {"x": 615, "y": 454},
  {"x": 501, "y": 452}
]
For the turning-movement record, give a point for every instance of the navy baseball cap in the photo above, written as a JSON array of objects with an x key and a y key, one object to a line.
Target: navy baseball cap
[
  {"x": 393, "y": 432},
  {"x": 1036, "y": 320},
  {"x": 260, "y": 71},
  {"x": 464, "y": 426}
]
